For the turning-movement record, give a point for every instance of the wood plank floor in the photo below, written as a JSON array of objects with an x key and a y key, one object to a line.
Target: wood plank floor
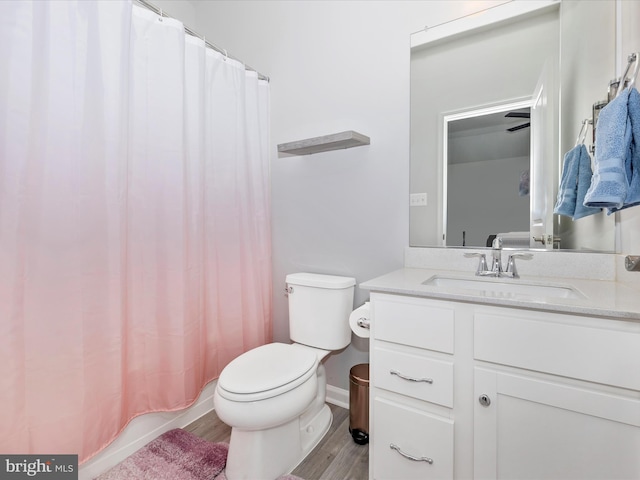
[{"x": 335, "y": 457}]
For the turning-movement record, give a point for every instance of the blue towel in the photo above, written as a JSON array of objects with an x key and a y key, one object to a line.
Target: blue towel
[
  {"x": 633, "y": 165},
  {"x": 584, "y": 181},
  {"x": 567, "y": 193},
  {"x": 609, "y": 184}
]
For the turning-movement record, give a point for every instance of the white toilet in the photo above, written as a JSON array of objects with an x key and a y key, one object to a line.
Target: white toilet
[{"x": 273, "y": 396}]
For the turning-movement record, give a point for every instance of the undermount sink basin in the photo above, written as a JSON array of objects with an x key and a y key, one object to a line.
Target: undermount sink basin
[{"x": 504, "y": 288}]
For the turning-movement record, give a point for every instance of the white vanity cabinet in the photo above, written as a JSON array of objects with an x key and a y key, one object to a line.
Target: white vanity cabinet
[
  {"x": 557, "y": 396},
  {"x": 461, "y": 390}
]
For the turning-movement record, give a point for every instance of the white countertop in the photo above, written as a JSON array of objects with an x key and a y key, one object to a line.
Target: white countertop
[{"x": 602, "y": 298}]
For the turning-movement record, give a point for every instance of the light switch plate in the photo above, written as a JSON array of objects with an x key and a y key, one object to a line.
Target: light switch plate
[{"x": 418, "y": 200}]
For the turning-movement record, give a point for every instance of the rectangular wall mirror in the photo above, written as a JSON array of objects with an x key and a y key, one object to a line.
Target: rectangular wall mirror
[{"x": 493, "y": 110}]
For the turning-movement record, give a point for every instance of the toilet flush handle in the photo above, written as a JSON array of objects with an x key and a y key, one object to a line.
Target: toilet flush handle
[{"x": 287, "y": 290}]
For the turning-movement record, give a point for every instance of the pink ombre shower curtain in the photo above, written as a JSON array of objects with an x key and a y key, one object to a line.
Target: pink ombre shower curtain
[{"x": 134, "y": 220}]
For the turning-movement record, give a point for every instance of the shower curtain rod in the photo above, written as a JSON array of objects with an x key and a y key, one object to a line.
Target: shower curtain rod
[{"x": 159, "y": 11}]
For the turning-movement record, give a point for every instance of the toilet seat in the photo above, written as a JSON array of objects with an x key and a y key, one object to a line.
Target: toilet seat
[{"x": 266, "y": 372}]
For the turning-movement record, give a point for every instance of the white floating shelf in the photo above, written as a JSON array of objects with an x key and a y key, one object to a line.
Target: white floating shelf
[{"x": 325, "y": 143}]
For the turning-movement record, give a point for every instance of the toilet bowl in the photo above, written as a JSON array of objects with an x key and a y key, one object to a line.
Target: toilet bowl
[
  {"x": 267, "y": 386},
  {"x": 273, "y": 396}
]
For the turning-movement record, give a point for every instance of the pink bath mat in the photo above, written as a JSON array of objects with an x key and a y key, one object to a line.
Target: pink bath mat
[{"x": 175, "y": 455}]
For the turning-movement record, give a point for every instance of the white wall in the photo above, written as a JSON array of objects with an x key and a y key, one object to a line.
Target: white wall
[
  {"x": 587, "y": 67},
  {"x": 183, "y": 10},
  {"x": 334, "y": 66}
]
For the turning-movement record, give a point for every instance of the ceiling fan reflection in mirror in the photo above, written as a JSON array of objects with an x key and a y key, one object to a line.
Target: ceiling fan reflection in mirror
[{"x": 519, "y": 114}]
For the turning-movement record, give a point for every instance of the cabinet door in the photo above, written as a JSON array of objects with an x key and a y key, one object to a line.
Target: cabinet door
[
  {"x": 410, "y": 444},
  {"x": 541, "y": 429}
]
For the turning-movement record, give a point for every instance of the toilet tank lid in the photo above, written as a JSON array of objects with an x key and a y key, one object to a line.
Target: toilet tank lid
[{"x": 320, "y": 280}]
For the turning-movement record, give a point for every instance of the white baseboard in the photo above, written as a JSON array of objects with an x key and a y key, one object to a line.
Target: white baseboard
[
  {"x": 338, "y": 396},
  {"x": 141, "y": 430}
]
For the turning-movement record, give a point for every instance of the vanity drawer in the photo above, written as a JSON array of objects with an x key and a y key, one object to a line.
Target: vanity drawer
[
  {"x": 415, "y": 322},
  {"x": 414, "y": 433},
  {"x": 596, "y": 350},
  {"x": 414, "y": 375}
]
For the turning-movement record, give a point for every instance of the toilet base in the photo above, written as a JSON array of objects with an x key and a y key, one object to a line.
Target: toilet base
[
  {"x": 314, "y": 431},
  {"x": 268, "y": 454}
]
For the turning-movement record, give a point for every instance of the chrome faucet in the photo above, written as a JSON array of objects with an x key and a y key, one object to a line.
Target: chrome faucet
[
  {"x": 496, "y": 255},
  {"x": 496, "y": 269}
]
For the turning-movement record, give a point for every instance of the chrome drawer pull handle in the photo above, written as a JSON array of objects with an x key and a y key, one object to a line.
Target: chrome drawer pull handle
[
  {"x": 393, "y": 446},
  {"x": 411, "y": 379}
]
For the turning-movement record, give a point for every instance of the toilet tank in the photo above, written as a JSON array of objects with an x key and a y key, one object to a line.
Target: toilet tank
[{"x": 319, "y": 309}]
